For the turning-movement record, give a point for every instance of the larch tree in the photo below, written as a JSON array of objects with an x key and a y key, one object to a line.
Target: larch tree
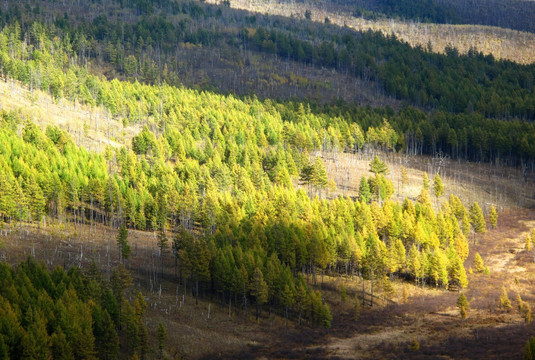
[
  {"x": 162, "y": 337},
  {"x": 529, "y": 349},
  {"x": 493, "y": 216},
  {"x": 259, "y": 289},
  {"x": 463, "y": 305},
  {"x": 479, "y": 266},
  {"x": 426, "y": 181},
  {"x": 438, "y": 186},
  {"x": 122, "y": 243},
  {"x": 477, "y": 219},
  {"x": 505, "y": 303}
]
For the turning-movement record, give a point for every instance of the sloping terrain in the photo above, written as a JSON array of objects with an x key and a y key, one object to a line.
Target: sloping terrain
[{"x": 502, "y": 43}]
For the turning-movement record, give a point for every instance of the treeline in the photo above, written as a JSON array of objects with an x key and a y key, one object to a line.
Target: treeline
[
  {"x": 69, "y": 315},
  {"x": 145, "y": 49}
]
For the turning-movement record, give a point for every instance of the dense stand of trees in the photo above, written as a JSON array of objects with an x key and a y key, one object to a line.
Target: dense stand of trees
[
  {"x": 68, "y": 315},
  {"x": 221, "y": 178},
  {"x": 50, "y": 64},
  {"x": 145, "y": 48},
  {"x": 215, "y": 175}
]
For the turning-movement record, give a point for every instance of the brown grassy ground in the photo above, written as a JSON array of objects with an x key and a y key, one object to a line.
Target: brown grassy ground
[{"x": 93, "y": 128}]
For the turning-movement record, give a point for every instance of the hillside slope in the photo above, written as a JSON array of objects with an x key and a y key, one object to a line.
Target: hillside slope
[{"x": 517, "y": 46}]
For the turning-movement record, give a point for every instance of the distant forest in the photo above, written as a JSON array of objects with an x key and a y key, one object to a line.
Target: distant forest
[
  {"x": 41, "y": 59},
  {"x": 144, "y": 48}
]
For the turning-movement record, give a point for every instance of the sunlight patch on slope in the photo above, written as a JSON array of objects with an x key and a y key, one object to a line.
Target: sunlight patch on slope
[{"x": 507, "y": 44}]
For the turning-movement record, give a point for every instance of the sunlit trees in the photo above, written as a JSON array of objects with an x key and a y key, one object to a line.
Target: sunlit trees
[
  {"x": 477, "y": 219},
  {"x": 493, "y": 216}
]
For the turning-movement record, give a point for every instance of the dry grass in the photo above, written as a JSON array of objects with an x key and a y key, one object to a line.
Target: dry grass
[
  {"x": 501, "y": 43},
  {"x": 91, "y": 127},
  {"x": 488, "y": 185}
]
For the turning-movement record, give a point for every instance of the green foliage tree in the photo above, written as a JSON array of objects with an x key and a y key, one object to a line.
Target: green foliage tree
[
  {"x": 529, "y": 349},
  {"x": 493, "y": 217},
  {"x": 477, "y": 219},
  {"x": 479, "y": 266},
  {"x": 438, "y": 187},
  {"x": 319, "y": 174},
  {"x": 378, "y": 167},
  {"x": 122, "y": 243},
  {"x": 306, "y": 174},
  {"x": 259, "y": 289},
  {"x": 463, "y": 305},
  {"x": 162, "y": 336},
  {"x": 364, "y": 190}
]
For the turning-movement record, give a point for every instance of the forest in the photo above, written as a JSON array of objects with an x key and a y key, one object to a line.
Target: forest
[
  {"x": 145, "y": 50},
  {"x": 232, "y": 188},
  {"x": 68, "y": 315}
]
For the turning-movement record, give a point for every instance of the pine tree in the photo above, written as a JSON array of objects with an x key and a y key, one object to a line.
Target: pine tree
[
  {"x": 364, "y": 190},
  {"x": 479, "y": 266},
  {"x": 463, "y": 305},
  {"x": 162, "y": 336},
  {"x": 378, "y": 167},
  {"x": 493, "y": 217},
  {"x": 122, "y": 243},
  {"x": 477, "y": 219},
  {"x": 438, "y": 187},
  {"x": 505, "y": 303},
  {"x": 259, "y": 289}
]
